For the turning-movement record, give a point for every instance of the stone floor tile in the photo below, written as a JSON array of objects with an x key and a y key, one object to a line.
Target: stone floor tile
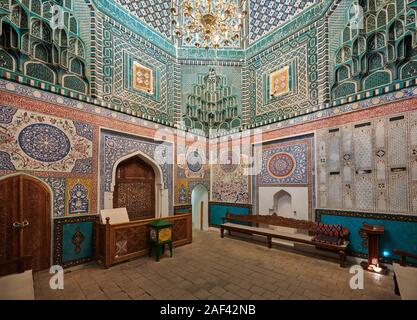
[{"x": 215, "y": 268}]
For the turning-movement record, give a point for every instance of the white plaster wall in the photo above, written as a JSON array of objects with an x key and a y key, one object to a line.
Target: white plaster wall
[
  {"x": 165, "y": 203},
  {"x": 299, "y": 197},
  {"x": 200, "y": 194}
]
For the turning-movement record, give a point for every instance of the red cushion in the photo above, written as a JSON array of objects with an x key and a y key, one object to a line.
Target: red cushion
[{"x": 329, "y": 233}]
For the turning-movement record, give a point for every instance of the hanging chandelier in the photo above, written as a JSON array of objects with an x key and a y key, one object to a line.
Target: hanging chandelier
[{"x": 208, "y": 23}]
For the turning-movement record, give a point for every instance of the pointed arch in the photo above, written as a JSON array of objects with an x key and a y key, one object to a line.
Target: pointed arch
[{"x": 159, "y": 182}]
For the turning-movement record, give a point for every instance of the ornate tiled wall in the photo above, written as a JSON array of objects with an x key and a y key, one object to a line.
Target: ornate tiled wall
[
  {"x": 225, "y": 93},
  {"x": 53, "y": 56},
  {"x": 56, "y": 140},
  {"x": 230, "y": 180},
  {"x": 289, "y": 69},
  {"x": 303, "y": 89},
  {"x": 108, "y": 39},
  {"x": 120, "y": 50},
  {"x": 369, "y": 165},
  {"x": 192, "y": 167},
  {"x": 375, "y": 50},
  {"x": 285, "y": 163},
  {"x": 36, "y": 142},
  {"x": 116, "y": 145}
]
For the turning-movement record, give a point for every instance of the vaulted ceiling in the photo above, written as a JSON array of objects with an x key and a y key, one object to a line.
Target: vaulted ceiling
[{"x": 264, "y": 15}]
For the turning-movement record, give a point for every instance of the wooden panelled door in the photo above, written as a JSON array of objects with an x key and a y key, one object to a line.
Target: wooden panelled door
[
  {"x": 25, "y": 221},
  {"x": 135, "y": 188}
]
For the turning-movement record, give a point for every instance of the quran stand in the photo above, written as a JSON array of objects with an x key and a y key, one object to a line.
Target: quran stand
[{"x": 372, "y": 234}]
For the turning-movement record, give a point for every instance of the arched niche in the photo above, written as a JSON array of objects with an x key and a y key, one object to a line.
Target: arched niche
[
  {"x": 161, "y": 194},
  {"x": 283, "y": 205},
  {"x": 199, "y": 202}
]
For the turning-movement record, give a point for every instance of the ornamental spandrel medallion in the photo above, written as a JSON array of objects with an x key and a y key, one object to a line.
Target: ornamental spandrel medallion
[
  {"x": 281, "y": 165},
  {"x": 142, "y": 78},
  {"x": 194, "y": 161},
  {"x": 279, "y": 82},
  {"x": 44, "y": 142}
]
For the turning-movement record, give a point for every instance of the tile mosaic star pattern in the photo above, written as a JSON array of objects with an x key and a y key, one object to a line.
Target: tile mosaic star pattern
[
  {"x": 155, "y": 13},
  {"x": 266, "y": 15}
]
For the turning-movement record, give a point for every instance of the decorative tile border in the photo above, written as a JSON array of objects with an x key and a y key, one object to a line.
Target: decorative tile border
[{"x": 366, "y": 215}]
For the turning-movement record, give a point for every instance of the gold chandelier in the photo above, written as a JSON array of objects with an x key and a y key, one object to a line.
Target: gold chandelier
[{"x": 208, "y": 23}]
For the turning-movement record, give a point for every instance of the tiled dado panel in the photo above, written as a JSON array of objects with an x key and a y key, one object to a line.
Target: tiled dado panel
[
  {"x": 369, "y": 165},
  {"x": 74, "y": 240},
  {"x": 218, "y": 210},
  {"x": 400, "y": 230}
]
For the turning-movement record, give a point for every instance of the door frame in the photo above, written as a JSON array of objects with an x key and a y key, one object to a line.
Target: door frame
[{"x": 51, "y": 215}]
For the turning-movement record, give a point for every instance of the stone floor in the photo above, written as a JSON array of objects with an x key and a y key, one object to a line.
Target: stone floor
[{"x": 215, "y": 268}]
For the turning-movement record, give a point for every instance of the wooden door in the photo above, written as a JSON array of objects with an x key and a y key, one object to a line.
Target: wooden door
[
  {"x": 25, "y": 221},
  {"x": 135, "y": 189}
]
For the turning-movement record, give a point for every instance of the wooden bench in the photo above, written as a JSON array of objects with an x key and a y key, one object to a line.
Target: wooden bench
[{"x": 274, "y": 220}]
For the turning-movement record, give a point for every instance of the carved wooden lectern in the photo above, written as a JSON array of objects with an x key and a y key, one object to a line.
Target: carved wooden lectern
[{"x": 372, "y": 234}]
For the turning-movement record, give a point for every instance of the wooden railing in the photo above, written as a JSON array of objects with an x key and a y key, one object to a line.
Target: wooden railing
[{"x": 116, "y": 243}]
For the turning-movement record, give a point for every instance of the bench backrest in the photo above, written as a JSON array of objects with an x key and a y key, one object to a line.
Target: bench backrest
[{"x": 274, "y": 220}]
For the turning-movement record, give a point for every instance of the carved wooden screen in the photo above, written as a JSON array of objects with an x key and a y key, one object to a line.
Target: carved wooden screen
[{"x": 135, "y": 189}]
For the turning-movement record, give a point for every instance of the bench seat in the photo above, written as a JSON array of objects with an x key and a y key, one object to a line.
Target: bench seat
[
  {"x": 267, "y": 231},
  {"x": 278, "y": 234}
]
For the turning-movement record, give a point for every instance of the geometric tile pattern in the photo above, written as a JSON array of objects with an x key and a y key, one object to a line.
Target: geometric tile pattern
[
  {"x": 300, "y": 54},
  {"x": 79, "y": 196},
  {"x": 285, "y": 164},
  {"x": 364, "y": 192},
  {"x": 363, "y": 147},
  {"x": 397, "y": 142},
  {"x": 155, "y": 13},
  {"x": 266, "y": 15},
  {"x": 376, "y": 174},
  {"x": 119, "y": 53},
  {"x": 398, "y": 192}
]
